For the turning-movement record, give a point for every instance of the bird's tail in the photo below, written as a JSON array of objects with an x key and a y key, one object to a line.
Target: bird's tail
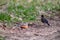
[{"x": 48, "y": 24}]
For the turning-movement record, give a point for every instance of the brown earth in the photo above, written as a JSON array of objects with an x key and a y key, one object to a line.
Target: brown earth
[{"x": 42, "y": 32}]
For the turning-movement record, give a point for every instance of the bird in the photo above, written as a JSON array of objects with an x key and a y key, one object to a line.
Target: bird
[
  {"x": 24, "y": 27},
  {"x": 44, "y": 20}
]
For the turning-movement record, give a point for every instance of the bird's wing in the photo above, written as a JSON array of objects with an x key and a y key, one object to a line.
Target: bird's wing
[{"x": 45, "y": 20}]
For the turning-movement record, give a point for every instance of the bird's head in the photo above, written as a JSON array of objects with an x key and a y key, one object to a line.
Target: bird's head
[{"x": 42, "y": 15}]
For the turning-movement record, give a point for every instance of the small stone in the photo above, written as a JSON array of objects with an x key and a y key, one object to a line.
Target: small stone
[{"x": 36, "y": 34}]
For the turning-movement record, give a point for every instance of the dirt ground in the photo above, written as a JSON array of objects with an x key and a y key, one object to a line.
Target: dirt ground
[{"x": 42, "y": 32}]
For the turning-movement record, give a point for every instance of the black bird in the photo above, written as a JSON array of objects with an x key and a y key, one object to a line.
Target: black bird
[{"x": 44, "y": 20}]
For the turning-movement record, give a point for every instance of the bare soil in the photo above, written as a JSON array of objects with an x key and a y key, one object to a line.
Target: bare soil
[{"x": 39, "y": 32}]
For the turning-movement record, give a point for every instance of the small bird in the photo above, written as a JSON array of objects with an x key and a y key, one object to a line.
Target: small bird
[
  {"x": 24, "y": 27},
  {"x": 44, "y": 20}
]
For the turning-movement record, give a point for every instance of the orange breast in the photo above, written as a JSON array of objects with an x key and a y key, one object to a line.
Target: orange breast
[{"x": 25, "y": 27}]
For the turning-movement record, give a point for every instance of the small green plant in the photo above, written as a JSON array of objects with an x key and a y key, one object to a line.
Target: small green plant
[
  {"x": 2, "y": 38},
  {"x": 50, "y": 6},
  {"x": 26, "y": 13},
  {"x": 5, "y": 17}
]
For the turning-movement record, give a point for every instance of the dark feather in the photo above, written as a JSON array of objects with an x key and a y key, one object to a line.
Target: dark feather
[{"x": 44, "y": 20}]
